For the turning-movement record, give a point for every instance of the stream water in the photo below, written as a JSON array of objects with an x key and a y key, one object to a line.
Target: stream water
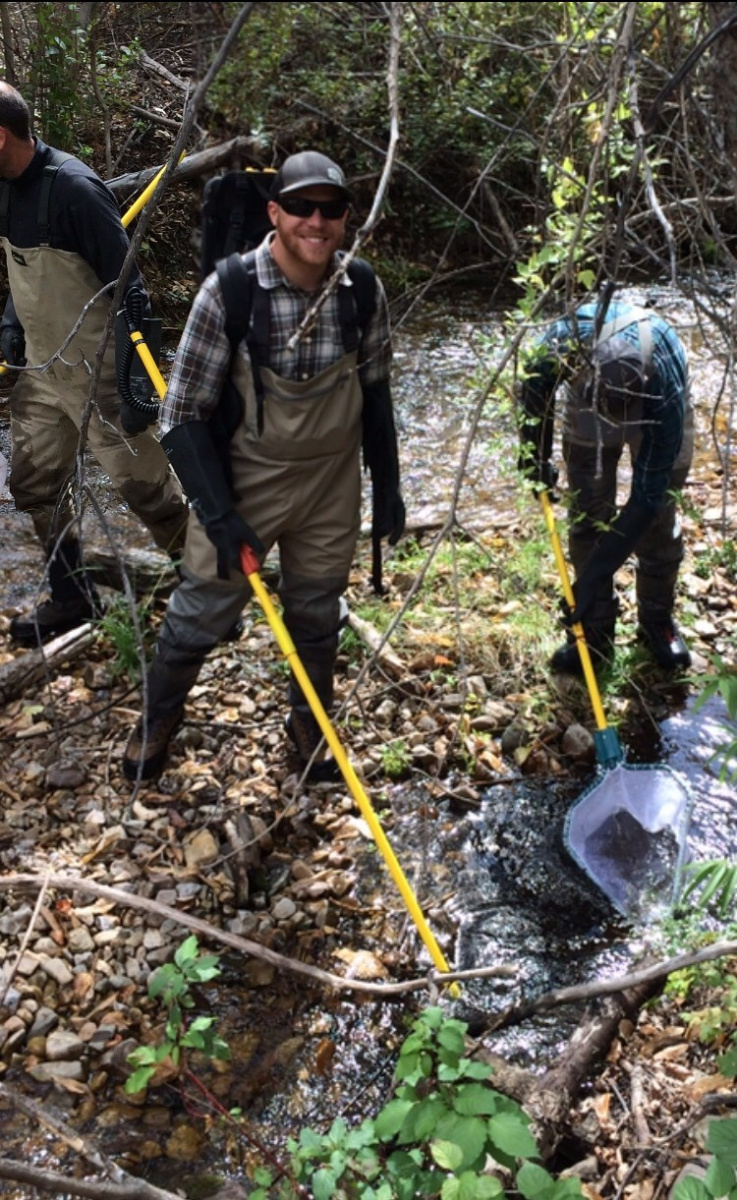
[{"x": 500, "y": 872}]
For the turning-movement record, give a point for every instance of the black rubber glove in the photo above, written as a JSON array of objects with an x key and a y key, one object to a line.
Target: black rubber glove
[
  {"x": 389, "y": 514},
  {"x": 227, "y": 534},
  {"x": 382, "y": 459},
  {"x": 134, "y": 421},
  {"x": 608, "y": 555},
  {"x": 194, "y": 456},
  {"x": 13, "y": 346}
]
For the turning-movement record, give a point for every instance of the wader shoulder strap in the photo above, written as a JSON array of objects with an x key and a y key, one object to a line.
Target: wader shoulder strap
[
  {"x": 357, "y": 304},
  {"x": 4, "y": 206}
]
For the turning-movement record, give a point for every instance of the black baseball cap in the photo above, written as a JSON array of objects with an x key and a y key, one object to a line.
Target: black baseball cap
[{"x": 308, "y": 169}]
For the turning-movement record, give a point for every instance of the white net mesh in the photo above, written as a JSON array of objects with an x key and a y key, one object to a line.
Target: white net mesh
[{"x": 629, "y": 833}]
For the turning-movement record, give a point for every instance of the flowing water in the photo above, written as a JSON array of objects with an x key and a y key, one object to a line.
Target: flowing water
[{"x": 501, "y": 872}]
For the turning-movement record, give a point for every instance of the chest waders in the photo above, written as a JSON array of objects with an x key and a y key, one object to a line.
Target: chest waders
[
  {"x": 50, "y": 289},
  {"x": 298, "y": 483}
]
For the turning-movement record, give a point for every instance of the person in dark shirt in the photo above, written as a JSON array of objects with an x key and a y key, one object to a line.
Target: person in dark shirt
[
  {"x": 628, "y": 387},
  {"x": 64, "y": 241}
]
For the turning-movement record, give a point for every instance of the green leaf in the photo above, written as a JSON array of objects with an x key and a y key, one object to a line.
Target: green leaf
[
  {"x": 467, "y": 1132},
  {"x": 475, "y": 1070},
  {"x": 201, "y": 1023},
  {"x": 472, "y": 1099},
  {"x": 567, "y": 1188},
  {"x": 390, "y": 1119},
  {"x": 728, "y": 1063},
  {"x": 534, "y": 1182},
  {"x": 160, "y": 980},
  {"x": 187, "y": 951},
  {"x": 478, "y": 1187},
  {"x": 423, "y": 1118},
  {"x": 402, "y": 1165},
  {"x": 691, "y": 1188},
  {"x": 433, "y": 1017},
  {"x": 450, "y": 1189},
  {"x": 323, "y": 1184},
  {"x": 310, "y": 1141},
  {"x": 722, "y": 1139},
  {"x": 447, "y": 1155},
  {"x": 512, "y": 1136},
  {"x": 719, "y": 1178},
  {"x": 141, "y": 1056},
  {"x": 451, "y": 1037},
  {"x": 138, "y": 1080}
]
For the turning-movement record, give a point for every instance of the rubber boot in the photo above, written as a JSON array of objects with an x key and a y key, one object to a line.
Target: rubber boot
[
  {"x": 73, "y": 599},
  {"x": 302, "y": 728},
  {"x": 600, "y": 641},
  {"x": 168, "y": 687},
  {"x": 665, "y": 642}
]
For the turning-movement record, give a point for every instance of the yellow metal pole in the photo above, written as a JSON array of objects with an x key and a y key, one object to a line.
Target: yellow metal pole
[
  {"x": 144, "y": 197},
  {"x": 149, "y": 363},
  {"x": 578, "y": 633},
  {"x": 286, "y": 645}
]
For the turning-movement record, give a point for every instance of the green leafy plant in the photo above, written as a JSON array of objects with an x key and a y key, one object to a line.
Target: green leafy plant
[
  {"x": 445, "y": 1133},
  {"x": 396, "y": 758},
  {"x": 171, "y": 985},
  {"x": 128, "y": 644},
  {"x": 712, "y": 885},
  {"x": 720, "y": 1178},
  {"x": 724, "y": 684}
]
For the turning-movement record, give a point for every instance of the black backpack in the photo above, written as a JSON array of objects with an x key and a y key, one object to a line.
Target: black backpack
[{"x": 233, "y": 215}]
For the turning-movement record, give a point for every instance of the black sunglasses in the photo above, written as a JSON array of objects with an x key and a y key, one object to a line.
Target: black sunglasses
[{"x": 300, "y": 206}]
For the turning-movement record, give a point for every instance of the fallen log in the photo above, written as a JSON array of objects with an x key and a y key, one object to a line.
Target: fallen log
[
  {"x": 36, "y": 665},
  {"x": 383, "y": 653},
  {"x": 149, "y": 573},
  {"x": 236, "y": 152}
]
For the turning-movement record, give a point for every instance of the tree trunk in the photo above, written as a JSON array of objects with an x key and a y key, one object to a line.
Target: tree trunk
[{"x": 723, "y": 77}]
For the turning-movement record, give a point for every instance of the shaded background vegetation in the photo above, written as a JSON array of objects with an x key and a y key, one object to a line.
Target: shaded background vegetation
[{"x": 504, "y": 109}]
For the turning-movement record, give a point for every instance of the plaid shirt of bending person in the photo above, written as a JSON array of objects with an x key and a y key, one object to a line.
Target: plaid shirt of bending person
[{"x": 202, "y": 359}]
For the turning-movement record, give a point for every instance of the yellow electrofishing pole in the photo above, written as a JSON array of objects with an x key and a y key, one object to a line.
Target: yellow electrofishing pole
[
  {"x": 249, "y": 563},
  {"x": 289, "y": 650},
  {"x": 608, "y": 748},
  {"x": 144, "y": 197}
]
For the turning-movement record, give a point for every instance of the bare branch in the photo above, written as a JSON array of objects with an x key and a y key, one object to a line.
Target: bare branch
[{"x": 395, "y": 21}]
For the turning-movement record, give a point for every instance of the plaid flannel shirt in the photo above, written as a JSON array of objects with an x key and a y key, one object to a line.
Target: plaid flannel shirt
[
  {"x": 554, "y": 359},
  {"x": 202, "y": 360}
]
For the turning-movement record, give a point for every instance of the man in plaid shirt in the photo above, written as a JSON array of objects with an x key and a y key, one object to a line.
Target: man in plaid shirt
[{"x": 290, "y": 474}]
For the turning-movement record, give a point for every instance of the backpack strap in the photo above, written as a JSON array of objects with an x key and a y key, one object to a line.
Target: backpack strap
[
  {"x": 44, "y": 201},
  {"x": 634, "y": 316},
  {"x": 357, "y": 304},
  {"x": 57, "y": 157},
  {"x": 242, "y": 297}
]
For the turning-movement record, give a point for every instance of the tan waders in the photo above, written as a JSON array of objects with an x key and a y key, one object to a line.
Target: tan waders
[
  {"x": 298, "y": 485},
  {"x": 50, "y": 289}
]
